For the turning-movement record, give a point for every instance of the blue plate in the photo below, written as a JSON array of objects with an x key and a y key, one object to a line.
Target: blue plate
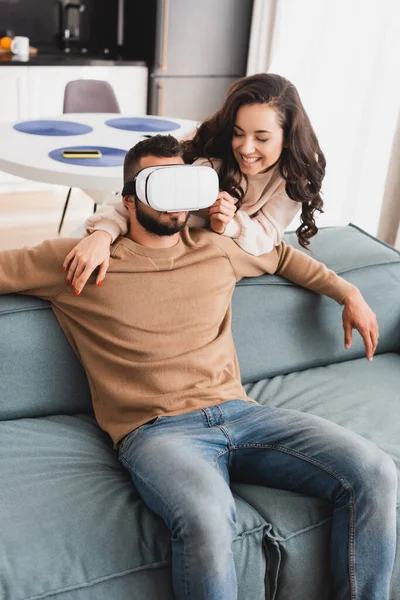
[
  {"x": 111, "y": 157},
  {"x": 53, "y": 127},
  {"x": 143, "y": 124}
]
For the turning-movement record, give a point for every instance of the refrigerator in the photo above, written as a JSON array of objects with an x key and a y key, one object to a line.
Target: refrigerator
[{"x": 201, "y": 47}]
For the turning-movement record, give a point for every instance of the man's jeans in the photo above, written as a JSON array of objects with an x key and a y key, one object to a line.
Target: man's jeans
[{"x": 182, "y": 466}]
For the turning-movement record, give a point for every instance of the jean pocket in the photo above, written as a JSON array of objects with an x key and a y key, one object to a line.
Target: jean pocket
[{"x": 122, "y": 446}]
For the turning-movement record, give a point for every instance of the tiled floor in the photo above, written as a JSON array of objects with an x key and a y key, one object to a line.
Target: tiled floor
[{"x": 27, "y": 218}]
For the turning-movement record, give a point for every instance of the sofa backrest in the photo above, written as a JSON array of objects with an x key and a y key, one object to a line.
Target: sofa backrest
[
  {"x": 39, "y": 372},
  {"x": 278, "y": 328}
]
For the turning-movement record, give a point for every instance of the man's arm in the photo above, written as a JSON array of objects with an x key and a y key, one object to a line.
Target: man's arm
[
  {"x": 302, "y": 269},
  {"x": 35, "y": 271},
  {"x": 299, "y": 268}
]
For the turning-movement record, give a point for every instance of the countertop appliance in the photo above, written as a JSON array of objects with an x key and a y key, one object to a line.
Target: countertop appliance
[
  {"x": 88, "y": 26},
  {"x": 71, "y": 25}
]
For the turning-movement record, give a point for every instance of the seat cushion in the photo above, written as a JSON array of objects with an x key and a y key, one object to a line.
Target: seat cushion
[
  {"x": 73, "y": 526},
  {"x": 359, "y": 395}
]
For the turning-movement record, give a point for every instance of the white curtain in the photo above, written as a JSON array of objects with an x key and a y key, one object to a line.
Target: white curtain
[{"x": 344, "y": 58}]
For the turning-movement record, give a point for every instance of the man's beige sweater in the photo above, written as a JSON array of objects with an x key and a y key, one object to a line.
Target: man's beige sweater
[{"x": 156, "y": 338}]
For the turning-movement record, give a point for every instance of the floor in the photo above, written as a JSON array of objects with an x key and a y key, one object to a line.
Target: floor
[{"x": 27, "y": 218}]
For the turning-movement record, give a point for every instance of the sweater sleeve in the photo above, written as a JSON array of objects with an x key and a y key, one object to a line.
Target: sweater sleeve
[
  {"x": 295, "y": 265},
  {"x": 112, "y": 217},
  {"x": 35, "y": 271},
  {"x": 259, "y": 233}
]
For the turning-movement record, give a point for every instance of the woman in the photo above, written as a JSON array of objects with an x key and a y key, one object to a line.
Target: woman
[{"x": 270, "y": 167}]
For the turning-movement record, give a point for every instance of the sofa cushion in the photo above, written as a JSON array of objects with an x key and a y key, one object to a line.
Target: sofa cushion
[
  {"x": 73, "y": 526},
  {"x": 361, "y": 396}
]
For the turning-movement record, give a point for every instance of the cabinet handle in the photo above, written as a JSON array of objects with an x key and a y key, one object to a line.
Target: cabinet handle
[
  {"x": 161, "y": 99},
  {"x": 164, "y": 39}
]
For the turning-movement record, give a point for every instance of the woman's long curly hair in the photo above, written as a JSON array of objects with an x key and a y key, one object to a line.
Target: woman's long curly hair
[{"x": 301, "y": 163}]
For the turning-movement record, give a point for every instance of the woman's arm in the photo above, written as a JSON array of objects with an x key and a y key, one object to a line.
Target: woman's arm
[
  {"x": 259, "y": 233},
  {"x": 111, "y": 221},
  {"x": 112, "y": 217}
]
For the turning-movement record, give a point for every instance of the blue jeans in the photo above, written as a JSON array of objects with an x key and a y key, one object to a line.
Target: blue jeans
[{"x": 182, "y": 466}]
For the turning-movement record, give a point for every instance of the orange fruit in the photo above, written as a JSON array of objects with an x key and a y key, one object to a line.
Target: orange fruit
[{"x": 5, "y": 43}]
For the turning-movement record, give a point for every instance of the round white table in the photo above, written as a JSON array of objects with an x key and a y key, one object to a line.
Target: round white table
[{"x": 27, "y": 155}]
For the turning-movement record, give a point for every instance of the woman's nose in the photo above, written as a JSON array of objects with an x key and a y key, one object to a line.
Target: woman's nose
[{"x": 247, "y": 145}]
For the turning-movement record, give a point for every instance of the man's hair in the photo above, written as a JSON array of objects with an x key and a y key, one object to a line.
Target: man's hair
[{"x": 158, "y": 145}]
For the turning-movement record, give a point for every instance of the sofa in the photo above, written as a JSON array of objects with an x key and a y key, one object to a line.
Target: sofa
[{"x": 72, "y": 526}]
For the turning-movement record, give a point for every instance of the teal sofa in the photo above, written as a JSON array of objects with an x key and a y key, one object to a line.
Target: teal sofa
[{"x": 72, "y": 526}]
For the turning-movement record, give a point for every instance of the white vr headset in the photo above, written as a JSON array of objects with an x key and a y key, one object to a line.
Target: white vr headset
[{"x": 174, "y": 188}]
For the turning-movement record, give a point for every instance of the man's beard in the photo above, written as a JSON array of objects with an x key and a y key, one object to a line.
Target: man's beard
[{"x": 153, "y": 226}]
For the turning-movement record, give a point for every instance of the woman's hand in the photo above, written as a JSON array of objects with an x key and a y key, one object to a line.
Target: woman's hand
[
  {"x": 221, "y": 212},
  {"x": 91, "y": 252},
  {"x": 358, "y": 315}
]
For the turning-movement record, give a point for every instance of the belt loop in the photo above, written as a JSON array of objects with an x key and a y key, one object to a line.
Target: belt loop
[
  {"x": 213, "y": 415},
  {"x": 207, "y": 416}
]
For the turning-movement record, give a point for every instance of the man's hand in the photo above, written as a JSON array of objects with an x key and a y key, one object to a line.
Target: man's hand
[
  {"x": 221, "y": 212},
  {"x": 358, "y": 315},
  {"x": 91, "y": 252}
]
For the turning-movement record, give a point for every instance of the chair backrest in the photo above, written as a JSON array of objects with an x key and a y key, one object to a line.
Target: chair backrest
[{"x": 90, "y": 96}]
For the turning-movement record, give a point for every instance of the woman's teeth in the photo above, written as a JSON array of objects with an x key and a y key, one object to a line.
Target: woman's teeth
[{"x": 248, "y": 161}]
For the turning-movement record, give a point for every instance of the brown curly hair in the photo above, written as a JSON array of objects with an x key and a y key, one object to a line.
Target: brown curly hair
[{"x": 301, "y": 163}]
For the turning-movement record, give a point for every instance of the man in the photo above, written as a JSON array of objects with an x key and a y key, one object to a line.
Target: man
[{"x": 156, "y": 344}]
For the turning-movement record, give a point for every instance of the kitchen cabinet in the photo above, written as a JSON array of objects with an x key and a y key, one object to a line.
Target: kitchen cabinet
[
  {"x": 13, "y": 93},
  {"x": 130, "y": 87},
  {"x": 46, "y": 87}
]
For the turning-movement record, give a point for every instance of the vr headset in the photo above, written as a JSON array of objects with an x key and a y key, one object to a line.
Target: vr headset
[{"x": 174, "y": 188}]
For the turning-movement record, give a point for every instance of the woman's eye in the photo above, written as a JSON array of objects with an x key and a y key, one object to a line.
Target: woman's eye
[
  {"x": 260, "y": 140},
  {"x": 236, "y": 134}
]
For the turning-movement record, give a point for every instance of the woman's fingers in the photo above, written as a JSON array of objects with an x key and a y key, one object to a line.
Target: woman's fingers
[
  {"x": 69, "y": 258},
  {"x": 222, "y": 206},
  {"x": 102, "y": 272},
  {"x": 80, "y": 280},
  {"x": 227, "y": 197},
  {"x": 221, "y": 212},
  {"x": 91, "y": 252},
  {"x": 223, "y": 218},
  {"x": 72, "y": 268}
]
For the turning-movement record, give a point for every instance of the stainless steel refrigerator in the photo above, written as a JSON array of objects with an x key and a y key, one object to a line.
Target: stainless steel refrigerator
[{"x": 201, "y": 48}]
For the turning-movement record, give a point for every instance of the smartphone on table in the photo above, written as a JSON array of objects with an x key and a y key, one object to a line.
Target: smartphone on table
[{"x": 82, "y": 153}]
